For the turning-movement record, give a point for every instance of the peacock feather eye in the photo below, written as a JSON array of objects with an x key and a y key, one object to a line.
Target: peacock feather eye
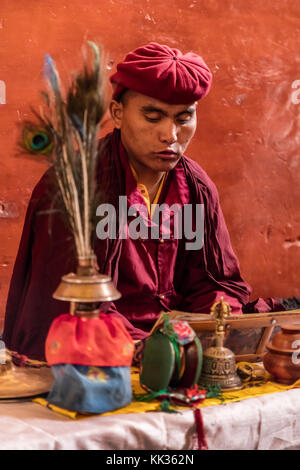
[{"x": 37, "y": 140}]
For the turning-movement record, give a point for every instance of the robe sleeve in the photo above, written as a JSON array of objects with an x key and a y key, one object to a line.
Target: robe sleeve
[
  {"x": 212, "y": 271},
  {"x": 45, "y": 253},
  {"x": 136, "y": 333},
  {"x": 108, "y": 254},
  {"x": 20, "y": 276}
]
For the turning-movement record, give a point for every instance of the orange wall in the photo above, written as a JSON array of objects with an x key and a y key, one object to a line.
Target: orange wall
[{"x": 248, "y": 133}]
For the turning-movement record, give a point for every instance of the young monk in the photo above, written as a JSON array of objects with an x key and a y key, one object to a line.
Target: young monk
[{"x": 156, "y": 93}]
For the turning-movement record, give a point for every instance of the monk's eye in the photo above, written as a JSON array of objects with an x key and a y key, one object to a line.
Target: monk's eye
[
  {"x": 184, "y": 118},
  {"x": 153, "y": 117}
]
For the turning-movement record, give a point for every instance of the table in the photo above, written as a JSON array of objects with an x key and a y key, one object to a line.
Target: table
[{"x": 266, "y": 422}]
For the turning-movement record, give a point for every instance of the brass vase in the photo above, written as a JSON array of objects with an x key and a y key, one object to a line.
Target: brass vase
[{"x": 87, "y": 288}]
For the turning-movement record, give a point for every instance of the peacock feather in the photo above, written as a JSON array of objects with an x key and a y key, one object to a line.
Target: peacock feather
[
  {"x": 37, "y": 140},
  {"x": 68, "y": 131}
]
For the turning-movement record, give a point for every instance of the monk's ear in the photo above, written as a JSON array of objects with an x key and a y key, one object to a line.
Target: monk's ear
[{"x": 116, "y": 111}]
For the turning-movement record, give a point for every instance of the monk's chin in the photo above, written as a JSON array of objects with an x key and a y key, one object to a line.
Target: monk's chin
[{"x": 167, "y": 164}]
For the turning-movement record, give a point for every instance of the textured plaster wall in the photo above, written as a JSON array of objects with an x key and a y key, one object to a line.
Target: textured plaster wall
[{"x": 248, "y": 133}]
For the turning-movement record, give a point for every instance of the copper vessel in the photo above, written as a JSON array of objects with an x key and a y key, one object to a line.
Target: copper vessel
[
  {"x": 219, "y": 365},
  {"x": 282, "y": 359},
  {"x": 86, "y": 288}
]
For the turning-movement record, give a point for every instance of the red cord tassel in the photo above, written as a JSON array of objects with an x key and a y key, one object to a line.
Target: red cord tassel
[{"x": 202, "y": 444}]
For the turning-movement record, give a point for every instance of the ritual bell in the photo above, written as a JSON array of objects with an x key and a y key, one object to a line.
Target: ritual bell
[{"x": 219, "y": 365}]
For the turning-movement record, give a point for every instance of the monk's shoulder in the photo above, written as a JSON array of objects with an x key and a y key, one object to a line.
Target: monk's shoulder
[
  {"x": 201, "y": 178},
  {"x": 45, "y": 184},
  {"x": 44, "y": 192},
  {"x": 46, "y": 181}
]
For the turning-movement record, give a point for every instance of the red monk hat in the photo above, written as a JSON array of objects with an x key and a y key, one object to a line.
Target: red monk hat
[{"x": 163, "y": 73}]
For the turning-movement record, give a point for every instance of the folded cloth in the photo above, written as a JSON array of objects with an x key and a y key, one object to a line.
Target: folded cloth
[
  {"x": 272, "y": 304},
  {"x": 290, "y": 303},
  {"x": 263, "y": 305},
  {"x": 250, "y": 390},
  {"x": 90, "y": 389},
  {"x": 102, "y": 341}
]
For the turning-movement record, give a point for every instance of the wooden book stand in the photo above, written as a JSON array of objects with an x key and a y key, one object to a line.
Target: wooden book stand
[{"x": 246, "y": 335}]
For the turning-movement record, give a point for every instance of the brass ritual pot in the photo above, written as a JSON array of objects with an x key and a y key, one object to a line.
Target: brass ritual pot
[
  {"x": 282, "y": 359},
  {"x": 87, "y": 286}
]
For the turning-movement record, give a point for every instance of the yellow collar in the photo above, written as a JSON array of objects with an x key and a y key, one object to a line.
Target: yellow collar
[{"x": 144, "y": 191}]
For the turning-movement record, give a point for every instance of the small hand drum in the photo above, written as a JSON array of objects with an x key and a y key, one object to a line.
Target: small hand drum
[{"x": 172, "y": 357}]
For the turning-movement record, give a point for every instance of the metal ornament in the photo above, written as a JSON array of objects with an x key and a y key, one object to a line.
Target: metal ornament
[
  {"x": 23, "y": 382},
  {"x": 87, "y": 288},
  {"x": 219, "y": 365}
]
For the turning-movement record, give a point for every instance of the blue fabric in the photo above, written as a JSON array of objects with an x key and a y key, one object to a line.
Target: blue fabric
[{"x": 90, "y": 389}]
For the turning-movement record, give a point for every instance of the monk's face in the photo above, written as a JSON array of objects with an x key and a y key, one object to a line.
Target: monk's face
[{"x": 155, "y": 134}]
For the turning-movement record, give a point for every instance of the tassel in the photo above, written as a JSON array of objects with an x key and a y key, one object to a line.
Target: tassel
[
  {"x": 202, "y": 444},
  {"x": 214, "y": 391},
  {"x": 166, "y": 406},
  {"x": 150, "y": 396}
]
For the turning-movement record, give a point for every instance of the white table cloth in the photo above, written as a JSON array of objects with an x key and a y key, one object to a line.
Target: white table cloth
[{"x": 266, "y": 422}]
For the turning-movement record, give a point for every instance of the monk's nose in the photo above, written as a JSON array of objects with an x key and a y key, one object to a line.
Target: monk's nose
[{"x": 168, "y": 133}]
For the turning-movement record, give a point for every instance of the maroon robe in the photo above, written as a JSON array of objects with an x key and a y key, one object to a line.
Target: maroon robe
[{"x": 151, "y": 275}]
